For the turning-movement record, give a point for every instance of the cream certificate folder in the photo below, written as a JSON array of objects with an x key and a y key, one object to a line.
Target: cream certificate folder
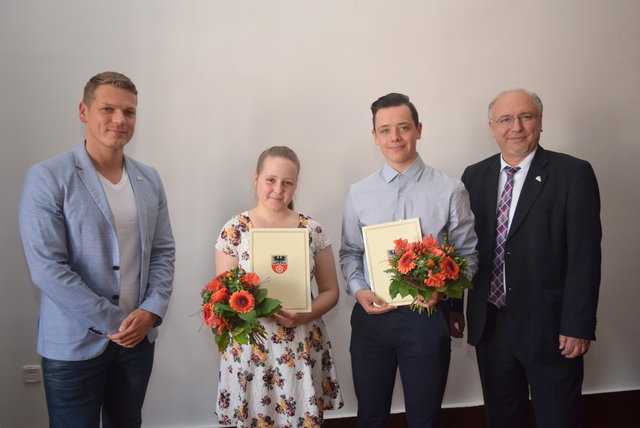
[
  {"x": 378, "y": 243},
  {"x": 281, "y": 257}
]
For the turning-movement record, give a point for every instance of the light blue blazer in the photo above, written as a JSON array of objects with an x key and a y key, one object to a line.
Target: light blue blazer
[{"x": 71, "y": 248}]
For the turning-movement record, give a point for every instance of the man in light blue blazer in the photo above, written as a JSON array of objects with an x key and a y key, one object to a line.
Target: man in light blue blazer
[{"x": 98, "y": 242}]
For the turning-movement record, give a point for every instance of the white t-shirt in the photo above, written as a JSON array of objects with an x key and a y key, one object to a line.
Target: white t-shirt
[{"x": 125, "y": 213}]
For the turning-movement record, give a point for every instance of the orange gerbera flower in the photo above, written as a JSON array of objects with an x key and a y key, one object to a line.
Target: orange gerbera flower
[
  {"x": 435, "y": 280},
  {"x": 406, "y": 262},
  {"x": 250, "y": 279},
  {"x": 222, "y": 295},
  {"x": 449, "y": 267},
  {"x": 242, "y": 302},
  {"x": 401, "y": 244}
]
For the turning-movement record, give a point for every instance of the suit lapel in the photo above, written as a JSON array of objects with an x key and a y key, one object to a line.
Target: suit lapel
[
  {"x": 89, "y": 177},
  {"x": 533, "y": 184},
  {"x": 489, "y": 186},
  {"x": 139, "y": 186}
]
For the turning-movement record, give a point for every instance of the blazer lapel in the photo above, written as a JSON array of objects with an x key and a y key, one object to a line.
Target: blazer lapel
[
  {"x": 533, "y": 184},
  {"x": 89, "y": 177},
  {"x": 490, "y": 186},
  {"x": 140, "y": 187}
]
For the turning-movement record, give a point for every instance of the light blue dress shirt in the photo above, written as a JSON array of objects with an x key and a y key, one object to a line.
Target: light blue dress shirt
[{"x": 441, "y": 203}]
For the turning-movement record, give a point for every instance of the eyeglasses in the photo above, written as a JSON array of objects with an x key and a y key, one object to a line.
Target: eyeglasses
[{"x": 524, "y": 118}]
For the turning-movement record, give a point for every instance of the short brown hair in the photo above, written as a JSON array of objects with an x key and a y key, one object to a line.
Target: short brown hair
[
  {"x": 107, "y": 78},
  {"x": 394, "y": 99}
]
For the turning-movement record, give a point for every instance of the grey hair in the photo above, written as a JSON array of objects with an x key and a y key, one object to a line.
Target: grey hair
[{"x": 536, "y": 99}]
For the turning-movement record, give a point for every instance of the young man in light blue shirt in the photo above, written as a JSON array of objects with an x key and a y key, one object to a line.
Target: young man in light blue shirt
[{"x": 385, "y": 337}]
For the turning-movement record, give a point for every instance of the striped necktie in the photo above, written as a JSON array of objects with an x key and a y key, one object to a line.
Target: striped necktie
[{"x": 497, "y": 294}]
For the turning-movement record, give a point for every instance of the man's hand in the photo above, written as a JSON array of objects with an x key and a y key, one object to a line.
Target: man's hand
[
  {"x": 134, "y": 328},
  {"x": 456, "y": 324},
  {"x": 371, "y": 303},
  {"x": 573, "y": 347},
  {"x": 435, "y": 298}
]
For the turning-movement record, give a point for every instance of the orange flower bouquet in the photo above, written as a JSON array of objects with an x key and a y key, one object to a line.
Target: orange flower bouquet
[
  {"x": 420, "y": 268},
  {"x": 232, "y": 302}
]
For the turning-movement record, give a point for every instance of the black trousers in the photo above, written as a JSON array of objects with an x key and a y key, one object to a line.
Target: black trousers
[
  {"x": 506, "y": 382},
  {"x": 418, "y": 344}
]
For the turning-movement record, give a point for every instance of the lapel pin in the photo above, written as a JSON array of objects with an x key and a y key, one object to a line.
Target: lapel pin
[{"x": 538, "y": 179}]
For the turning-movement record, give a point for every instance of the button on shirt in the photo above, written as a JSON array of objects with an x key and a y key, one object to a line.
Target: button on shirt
[
  {"x": 518, "y": 182},
  {"x": 441, "y": 203}
]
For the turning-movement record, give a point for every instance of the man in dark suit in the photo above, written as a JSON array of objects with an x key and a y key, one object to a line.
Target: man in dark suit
[{"x": 532, "y": 313}]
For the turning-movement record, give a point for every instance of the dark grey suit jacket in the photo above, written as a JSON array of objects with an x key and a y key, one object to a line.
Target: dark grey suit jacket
[{"x": 552, "y": 258}]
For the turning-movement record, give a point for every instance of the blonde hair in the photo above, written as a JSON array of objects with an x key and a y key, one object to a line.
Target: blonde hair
[
  {"x": 278, "y": 152},
  {"x": 107, "y": 78}
]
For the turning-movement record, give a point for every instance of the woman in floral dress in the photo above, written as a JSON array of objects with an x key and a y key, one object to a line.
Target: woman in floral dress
[{"x": 289, "y": 379}]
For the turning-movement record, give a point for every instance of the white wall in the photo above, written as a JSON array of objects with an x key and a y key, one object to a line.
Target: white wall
[{"x": 221, "y": 80}]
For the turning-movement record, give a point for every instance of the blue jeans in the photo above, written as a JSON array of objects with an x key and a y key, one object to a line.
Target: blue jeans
[{"x": 113, "y": 383}]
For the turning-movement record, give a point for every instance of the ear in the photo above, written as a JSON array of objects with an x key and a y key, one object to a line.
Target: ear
[
  {"x": 375, "y": 137},
  {"x": 255, "y": 178},
  {"x": 83, "y": 111},
  {"x": 419, "y": 129}
]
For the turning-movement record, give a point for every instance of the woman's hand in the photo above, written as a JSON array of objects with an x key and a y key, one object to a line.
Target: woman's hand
[
  {"x": 290, "y": 319},
  {"x": 328, "y": 293}
]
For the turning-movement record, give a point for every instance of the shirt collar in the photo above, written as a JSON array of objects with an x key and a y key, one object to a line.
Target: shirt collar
[
  {"x": 524, "y": 165},
  {"x": 414, "y": 171}
]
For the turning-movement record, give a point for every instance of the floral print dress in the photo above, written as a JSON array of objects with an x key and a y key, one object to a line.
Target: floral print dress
[{"x": 289, "y": 379}]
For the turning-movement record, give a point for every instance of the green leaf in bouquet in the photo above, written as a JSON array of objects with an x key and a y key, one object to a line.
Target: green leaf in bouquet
[
  {"x": 465, "y": 283},
  {"x": 426, "y": 294},
  {"x": 260, "y": 294},
  {"x": 394, "y": 288},
  {"x": 405, "y": 289},
  {"x": 222, "y": 340},
  {"x": 269, "y": 306},
  {"x": 241, "y": 337},
  {"x": 454, "y": 291},
  {"x": 235, "y": 285},
  {"x": 237, "y": 330},
  {"x": 246, "y": 326},
  {"x": 222, "y": 308},
  {"x": 251, "y": 317},
  {"x": 206, "y": 295}
]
